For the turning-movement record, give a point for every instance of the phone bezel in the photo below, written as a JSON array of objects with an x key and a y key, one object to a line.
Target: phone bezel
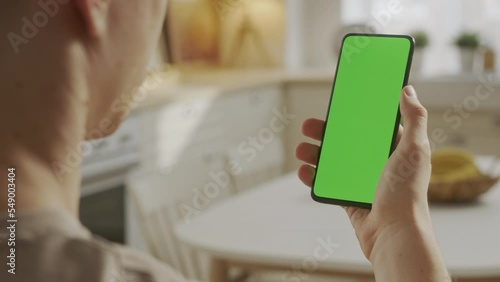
[{"x": 396, "y": 125}]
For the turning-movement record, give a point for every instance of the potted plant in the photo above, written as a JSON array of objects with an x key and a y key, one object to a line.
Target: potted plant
[
  {"x": 421, "y": 41},
  {"x": 468, "y": 43}
]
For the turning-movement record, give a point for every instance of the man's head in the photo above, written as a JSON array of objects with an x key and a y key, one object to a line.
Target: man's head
[
  {"x": 104, "y": 46},
  {"x": 119, "y": 37},
  {"x": 64, "y": 65}
]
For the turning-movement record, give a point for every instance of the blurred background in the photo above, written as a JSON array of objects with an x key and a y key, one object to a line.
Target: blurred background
[{"x": 220, "y": 115}]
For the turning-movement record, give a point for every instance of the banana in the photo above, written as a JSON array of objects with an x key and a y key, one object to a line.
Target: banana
[{"x": 451, "y": 165}]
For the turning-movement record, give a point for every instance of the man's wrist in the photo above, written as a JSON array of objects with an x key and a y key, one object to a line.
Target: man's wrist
[
  {"x": 408, "y": 249},
  {"x": 390, "y": 236}
]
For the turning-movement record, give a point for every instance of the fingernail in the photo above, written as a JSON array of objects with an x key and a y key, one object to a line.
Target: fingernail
[{"x": 410, "y": 91}]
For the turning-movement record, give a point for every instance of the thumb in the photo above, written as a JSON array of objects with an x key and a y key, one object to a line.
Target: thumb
[{"x": 414, "y": 118}]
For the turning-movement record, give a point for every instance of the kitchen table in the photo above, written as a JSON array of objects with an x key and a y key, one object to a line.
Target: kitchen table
[{"x": 277, "y": 226}]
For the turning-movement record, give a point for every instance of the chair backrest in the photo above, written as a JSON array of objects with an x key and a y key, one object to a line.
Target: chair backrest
[{"x": 177, "y": 194}]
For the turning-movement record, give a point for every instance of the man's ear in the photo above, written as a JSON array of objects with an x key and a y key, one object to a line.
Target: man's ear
[{"x": 94, "y": 14}]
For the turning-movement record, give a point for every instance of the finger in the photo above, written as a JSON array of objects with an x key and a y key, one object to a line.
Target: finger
[
  {"x": 357, "y": 216},
  {"x": 313, "y": 128},
  {"x": 415, "y": 118},
  {"x": 349, "y": 210},
  {"x": 306, "y": 174},
  {"x": 308, "y": 153},
  {"x": 400, "y": 134}
]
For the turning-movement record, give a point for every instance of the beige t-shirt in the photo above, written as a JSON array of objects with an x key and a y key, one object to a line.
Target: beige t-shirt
[{"x": 54, "y": 247}]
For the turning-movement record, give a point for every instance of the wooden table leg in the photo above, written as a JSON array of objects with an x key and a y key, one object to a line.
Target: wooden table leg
[{"x": 218, "y": 271}]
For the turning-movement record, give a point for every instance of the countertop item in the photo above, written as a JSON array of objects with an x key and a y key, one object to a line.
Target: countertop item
[{"x": 455, "y": 177}]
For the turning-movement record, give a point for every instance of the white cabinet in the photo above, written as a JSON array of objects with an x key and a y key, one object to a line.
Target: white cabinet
[
  {"x": 478, "y": 133},
  {"x": 463, "y": 113},
  {"x": 238, "y": 125}
]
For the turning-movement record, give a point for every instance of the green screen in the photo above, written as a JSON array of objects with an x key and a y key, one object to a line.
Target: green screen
[{"x": 362, "y": 116}]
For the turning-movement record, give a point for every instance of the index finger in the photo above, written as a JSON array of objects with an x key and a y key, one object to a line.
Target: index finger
[{"x": 313, "y": 128}]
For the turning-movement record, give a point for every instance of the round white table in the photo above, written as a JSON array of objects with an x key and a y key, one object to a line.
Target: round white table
[{"x": 278, "y": 226}]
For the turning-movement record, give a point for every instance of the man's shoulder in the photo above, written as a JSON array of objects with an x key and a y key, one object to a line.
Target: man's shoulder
[
  {"x": 141, "y": 264},
  {"x": 134, "y": 265},
  {"x": 62, "y": 258}
]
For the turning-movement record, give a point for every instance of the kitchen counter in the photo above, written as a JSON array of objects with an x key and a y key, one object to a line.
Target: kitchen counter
[{"x": 173, "y": 86}]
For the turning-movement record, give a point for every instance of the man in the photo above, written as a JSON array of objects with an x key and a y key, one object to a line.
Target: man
[
  {"x": 58, "y": 83},
  {"x": 64, "y": 64}
]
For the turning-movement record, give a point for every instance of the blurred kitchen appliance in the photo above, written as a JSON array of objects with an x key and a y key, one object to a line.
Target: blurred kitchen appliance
[{"x": 104, "y": 208}]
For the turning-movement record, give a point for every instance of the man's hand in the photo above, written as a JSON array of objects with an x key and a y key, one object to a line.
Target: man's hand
[{"x": 400, "y": 210}]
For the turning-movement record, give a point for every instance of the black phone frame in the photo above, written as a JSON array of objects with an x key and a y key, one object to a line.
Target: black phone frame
[{"x": 396, "y": 125}]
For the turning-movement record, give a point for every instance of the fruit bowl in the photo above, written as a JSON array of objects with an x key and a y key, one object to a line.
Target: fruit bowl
[{"x": 456, "y": 178}]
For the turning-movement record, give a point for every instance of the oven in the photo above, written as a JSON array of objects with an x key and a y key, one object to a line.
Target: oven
[{"x": 105, "y": 208}]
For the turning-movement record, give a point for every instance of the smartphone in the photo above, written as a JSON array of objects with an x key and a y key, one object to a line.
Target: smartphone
[{"x": 363, "y": 117}]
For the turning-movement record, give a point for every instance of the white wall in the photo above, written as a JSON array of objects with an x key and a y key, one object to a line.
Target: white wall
[{"x": 311, "y": 27}]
